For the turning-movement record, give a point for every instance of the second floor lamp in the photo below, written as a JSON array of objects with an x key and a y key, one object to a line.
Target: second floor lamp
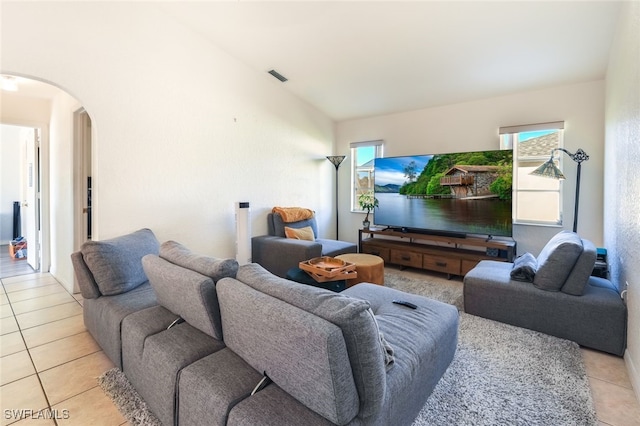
[
  {"x": 336, "y": 160},
  {"x": 550, "y": 170}
]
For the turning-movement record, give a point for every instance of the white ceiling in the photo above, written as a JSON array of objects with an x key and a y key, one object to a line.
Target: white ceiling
[
  {"x": 34, "y": 89},
  {"x": 363, "y": 58}
]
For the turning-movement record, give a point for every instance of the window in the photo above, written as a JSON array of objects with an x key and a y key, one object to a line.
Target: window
[
  {"x": 537, "y": 200},
  {"x": 362, "y": 158}
]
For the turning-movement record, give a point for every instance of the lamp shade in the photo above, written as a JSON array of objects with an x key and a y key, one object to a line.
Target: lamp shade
[
  {"x": 548, "y": 169},
  {"x": 336, "y": 159}
]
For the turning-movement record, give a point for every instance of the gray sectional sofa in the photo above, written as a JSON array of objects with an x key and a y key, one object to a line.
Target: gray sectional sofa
[
  {"x": 556, "y": 295},
  {"x": 211, "y": 332}
]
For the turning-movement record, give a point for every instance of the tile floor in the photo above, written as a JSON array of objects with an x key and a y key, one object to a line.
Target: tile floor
[{"x": 50, "y": 362}]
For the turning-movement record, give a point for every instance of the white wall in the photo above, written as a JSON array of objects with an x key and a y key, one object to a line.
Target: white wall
[
  {"x": 181, "y": 130},
  {"x": 474, "y": 126},
  {"x": 10, "y": 179},
  {"x": 61, "y": 213},
  {"x": 622, "y": 176}
]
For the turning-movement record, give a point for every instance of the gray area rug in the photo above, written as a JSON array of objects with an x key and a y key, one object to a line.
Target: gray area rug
[
  {"x": 501, "y": 375},
  {"x": 124, "y": 396},
  {"x": 432, "y": 286}
]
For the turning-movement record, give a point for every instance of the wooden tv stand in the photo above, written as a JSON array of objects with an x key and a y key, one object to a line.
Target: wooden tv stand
[{"x": 450, "y": 255}]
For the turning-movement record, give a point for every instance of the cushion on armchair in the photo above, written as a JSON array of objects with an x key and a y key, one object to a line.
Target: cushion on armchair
[
  {"x": 276, "y": 225},
  {"x": 556, "y": 260},
  {"x": 305, "y": 233}
]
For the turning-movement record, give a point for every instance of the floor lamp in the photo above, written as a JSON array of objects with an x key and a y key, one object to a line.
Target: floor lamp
[
  {"x": 336, "y": 160},
  {"x": 550, "y": 170}
]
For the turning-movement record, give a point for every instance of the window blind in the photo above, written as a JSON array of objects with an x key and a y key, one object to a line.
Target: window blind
[{"x": 559, "y": 125}]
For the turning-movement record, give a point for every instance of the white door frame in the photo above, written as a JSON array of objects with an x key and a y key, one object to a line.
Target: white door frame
[
  {"x": 81, "y": 170},
  {"x": 31, "y": 194}
]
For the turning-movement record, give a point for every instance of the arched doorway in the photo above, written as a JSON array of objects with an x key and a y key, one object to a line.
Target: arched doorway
[{"x": 65, "y": 128}]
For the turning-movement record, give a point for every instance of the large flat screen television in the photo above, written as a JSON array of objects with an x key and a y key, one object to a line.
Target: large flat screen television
[{"x": 449, "y": 194}]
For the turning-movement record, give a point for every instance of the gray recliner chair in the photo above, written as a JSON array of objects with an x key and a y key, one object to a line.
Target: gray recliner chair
[
  {"x": 277, "y": 253},
  {"x": 562, "y": 299}
]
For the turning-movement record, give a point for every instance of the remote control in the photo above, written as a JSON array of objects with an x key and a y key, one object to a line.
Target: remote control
[{"x": 405, "y": 303}]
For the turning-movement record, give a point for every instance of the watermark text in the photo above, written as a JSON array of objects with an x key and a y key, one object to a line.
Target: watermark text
[{"x": 27, "y": 413}]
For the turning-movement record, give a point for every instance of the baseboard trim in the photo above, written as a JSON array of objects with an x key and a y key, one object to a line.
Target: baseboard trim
[{"x": 634, "y": 373}]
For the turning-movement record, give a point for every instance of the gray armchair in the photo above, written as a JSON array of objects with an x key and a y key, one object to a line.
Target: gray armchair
[{"x": 277, "y": 253}]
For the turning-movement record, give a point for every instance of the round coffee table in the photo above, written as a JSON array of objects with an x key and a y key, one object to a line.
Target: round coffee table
[{"x": 370, "y": 268}]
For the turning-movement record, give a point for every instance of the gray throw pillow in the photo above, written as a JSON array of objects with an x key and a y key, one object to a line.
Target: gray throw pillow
[{"x": 116, "y": 264}]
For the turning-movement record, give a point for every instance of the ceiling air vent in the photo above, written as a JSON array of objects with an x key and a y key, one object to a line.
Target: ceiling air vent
[{"x": 277, "y": 75}]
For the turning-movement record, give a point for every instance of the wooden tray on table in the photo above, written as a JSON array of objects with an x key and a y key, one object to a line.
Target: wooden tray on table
[{"x": 325, "y": 268}]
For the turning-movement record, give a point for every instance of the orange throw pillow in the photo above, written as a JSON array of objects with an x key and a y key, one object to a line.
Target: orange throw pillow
[{"x": 305, "y": 233}]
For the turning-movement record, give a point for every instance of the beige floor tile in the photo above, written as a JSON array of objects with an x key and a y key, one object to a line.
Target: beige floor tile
[
  {"x": 615, "y": 405},
  {"x": 15, "y": 366},
  {"x": 24, "y": 394},
  {"x": 92, "y": 407},
  {"x": 63, "y": 350},
  {"x": 55, "y": 330},
  {"x": 24, "y": 285},
  {"x": 11, "y": 343},
  {"x": 6, "y": 311},
  {"x": 26, "y": 277},
  {"x": 43, "y": 316},
  {"x": 8, "y": 325},
  {"x": 38, "y": 420},
  {"x": 36, "y": 303},
  {"x": 74, "y": 377},
  {"x": 609, "y": 368},
  {"x": 18, "y": 296},
  {"x": 3, "y": 299}
]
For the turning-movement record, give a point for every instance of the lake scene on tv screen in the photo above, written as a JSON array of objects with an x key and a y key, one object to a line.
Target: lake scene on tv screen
[{"x": 460, "y": 193}]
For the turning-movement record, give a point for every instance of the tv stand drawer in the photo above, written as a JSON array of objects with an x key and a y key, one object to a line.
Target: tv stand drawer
[
  {"x": 467, "y": 265},
  {"x": 406, "y": 258},
  {"x": 441, "y": 264},
  {"x": 382, "y": 252}
]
